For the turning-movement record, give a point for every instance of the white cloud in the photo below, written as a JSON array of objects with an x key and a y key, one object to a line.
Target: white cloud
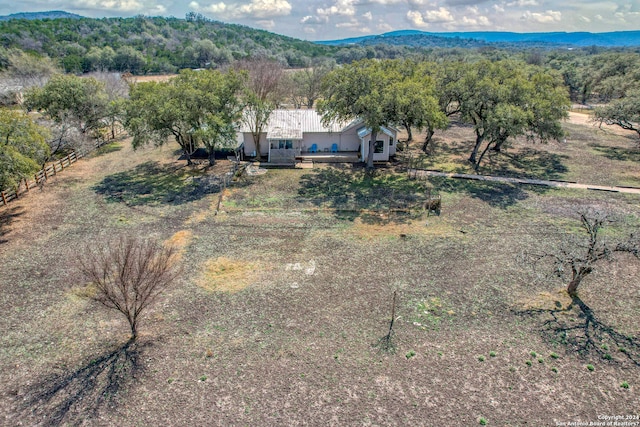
[
  {"x": 267, "y": 24},
  {"x": 548, "y": 17},
  {"x": 258, "y": 9},
  {"x": 212, "y": 8},
  {"x": 265, "y": 8},
  {"x": 523, "y": 3},
  {"x": 368, "y": 16},
  {"x": 119, "y": 5},
  {"x": 438, "y": 16},
  {"x": 340, "y": 7},
  {"x": 354, "y": 26},
  {"x": 415, "y": 18},
  {"x": 384, "y": 27},
  {"x": 477, "y": 21}
]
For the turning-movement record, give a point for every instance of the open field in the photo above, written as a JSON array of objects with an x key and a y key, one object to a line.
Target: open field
[{"x": 287, "y": 291}]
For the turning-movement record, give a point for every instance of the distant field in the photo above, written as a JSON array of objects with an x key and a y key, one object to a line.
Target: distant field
[{"x": 286, "y": 292}]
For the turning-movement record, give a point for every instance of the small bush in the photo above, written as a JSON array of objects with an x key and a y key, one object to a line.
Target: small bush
[
  {"x": 540, "y": 360},
  {"x": 554, "y": 355},
  {"x": 624, "y": 384},
  {"x": 492, "y": 354},
  {"x": 481, "y": 358},
  {"x": 533, "y": 354},
  {"x": 590, "y": 367},
  {"x": 203, "y": 378},
  {"x": 410, "y": 354},
  {"x": 604, "y": 347},
  {"x": 482, "y": 421},
  {"x": 607, "y": 356},
  {"x": 528, "y": 362},
  {"x": 554, "y": 369}
]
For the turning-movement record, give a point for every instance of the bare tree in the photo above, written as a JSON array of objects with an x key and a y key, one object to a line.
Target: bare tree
[
  {"x": 580, "y": 258},
  {"x": 129, "y": 275},
  {"x": 264, "y": 92}
]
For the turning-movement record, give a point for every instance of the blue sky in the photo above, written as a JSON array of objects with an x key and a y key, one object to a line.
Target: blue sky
[{"x": 332, "y": 19}]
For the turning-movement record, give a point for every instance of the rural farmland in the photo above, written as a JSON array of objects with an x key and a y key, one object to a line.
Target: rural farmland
[{"x": 287, "y": 287}]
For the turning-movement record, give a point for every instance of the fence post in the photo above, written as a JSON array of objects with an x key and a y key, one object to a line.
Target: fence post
[
  {"x": 4, "y": 198},
  {"x": 26, "y": 184}
]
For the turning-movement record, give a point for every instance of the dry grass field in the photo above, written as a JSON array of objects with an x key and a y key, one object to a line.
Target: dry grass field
[{"x": 286, "y": 292}]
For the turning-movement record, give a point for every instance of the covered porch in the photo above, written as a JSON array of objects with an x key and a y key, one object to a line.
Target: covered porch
[{"x": 330, "y": 156}]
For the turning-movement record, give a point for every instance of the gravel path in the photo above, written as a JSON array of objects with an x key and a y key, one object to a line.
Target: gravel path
[{"x": 559, "y": 184}]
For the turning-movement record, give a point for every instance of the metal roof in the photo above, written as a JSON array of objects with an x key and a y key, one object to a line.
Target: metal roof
[
  {"x": 296, "y": 122},
  {"x": 362, "y": 132},
  {"x": 284, "y": 133}
]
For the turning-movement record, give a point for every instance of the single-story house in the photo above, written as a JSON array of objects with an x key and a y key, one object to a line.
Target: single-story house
[{"x": 292, "y": 135}]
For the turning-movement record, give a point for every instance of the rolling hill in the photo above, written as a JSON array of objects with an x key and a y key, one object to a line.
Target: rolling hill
[{"x": 422, "y": 38}]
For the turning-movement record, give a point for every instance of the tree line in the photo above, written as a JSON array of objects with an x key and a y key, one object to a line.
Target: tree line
[{"x": 500, "y": 99}]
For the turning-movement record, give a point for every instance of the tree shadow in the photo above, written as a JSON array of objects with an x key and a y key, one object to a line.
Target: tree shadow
[
  {"x": 526, "y": 163},
  {"x": 496, "y": 194},
  {"x": 7, "y": 216},
  {"x": 579, "y": 328},
  {"x": 374, "y": 197},
  {"x": 152, "y": 184},
  {"x": 618, "y": 153},
  {"x": 73, "y": 397}
]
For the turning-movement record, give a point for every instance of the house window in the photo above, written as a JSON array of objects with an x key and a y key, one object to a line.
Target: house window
[
  {"x": 379, "y": 147},
  {"x": 390, "y": 142},
  {"x": 285, "y": 144}
]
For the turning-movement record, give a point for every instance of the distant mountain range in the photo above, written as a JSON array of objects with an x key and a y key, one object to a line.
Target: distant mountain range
[
  {"x": 423, "y": 38},
  {"x": 53, "y": 14}
]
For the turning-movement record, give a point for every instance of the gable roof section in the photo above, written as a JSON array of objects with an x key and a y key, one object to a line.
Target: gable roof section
[
  {"x": 364, "y": 131},
  {"x": 292, "y": 124}
]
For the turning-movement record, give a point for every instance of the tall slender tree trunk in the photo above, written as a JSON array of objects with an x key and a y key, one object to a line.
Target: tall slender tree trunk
[
  {"x": 256, "y": 141},
  {"x": 477, "y": 165},
  {"x": 428, "y": 138},
  {"x": 409, "y": 133},
  {"x": 474, "y": 154},
  {"x": 372, "y": 146}
]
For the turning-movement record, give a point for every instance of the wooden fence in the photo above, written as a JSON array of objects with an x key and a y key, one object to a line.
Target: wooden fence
[{"x": 52, "y": 169}]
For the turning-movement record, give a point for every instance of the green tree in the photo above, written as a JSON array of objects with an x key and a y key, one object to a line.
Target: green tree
[
  {"x": 196, "y": 108},
  {"x": 623, "y": 112},
  {"x": 69, "y": 99},
  {"x": 380, "y": 95},
  {"x": 307, "y": 82},
  {"x": 22, "y": 147},
  {"x": 415, "y": 102},
  {"x": 506, "y": 99},
  {"x": 28, "y": 70},
  {"x": 130, "y": 60},
  {"x": 359, "y": 90}
]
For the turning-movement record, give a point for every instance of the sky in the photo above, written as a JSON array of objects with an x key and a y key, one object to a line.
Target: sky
[{"x": 337, "y": 19}]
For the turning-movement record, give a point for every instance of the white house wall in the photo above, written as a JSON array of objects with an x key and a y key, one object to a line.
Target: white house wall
[
  {"x": 378, "y": 157},
  {"x": 250, "y": 146},
  {"x": 346, "y": 141}
]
